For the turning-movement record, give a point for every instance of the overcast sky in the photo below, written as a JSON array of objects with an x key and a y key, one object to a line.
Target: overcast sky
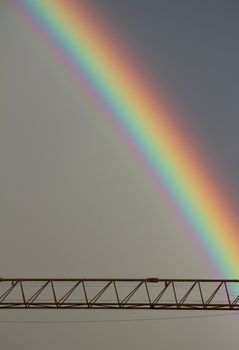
[{"x": 73, "y": 201}]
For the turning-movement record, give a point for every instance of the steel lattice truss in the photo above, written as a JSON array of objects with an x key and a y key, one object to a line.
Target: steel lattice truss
[{"x": 149, "y": 293}]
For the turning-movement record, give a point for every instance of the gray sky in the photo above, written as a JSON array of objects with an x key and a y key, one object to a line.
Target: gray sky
[{"x": 73, "y": 200}]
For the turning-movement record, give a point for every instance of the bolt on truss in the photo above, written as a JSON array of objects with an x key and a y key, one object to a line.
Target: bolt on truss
[{"x": 149, "y": 293}]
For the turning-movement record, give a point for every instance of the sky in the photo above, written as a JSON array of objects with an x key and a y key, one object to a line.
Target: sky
[{"x": 75, "y": 203}]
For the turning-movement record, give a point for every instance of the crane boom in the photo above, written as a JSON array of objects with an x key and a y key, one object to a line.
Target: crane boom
[{"x": 103, "y": 293}]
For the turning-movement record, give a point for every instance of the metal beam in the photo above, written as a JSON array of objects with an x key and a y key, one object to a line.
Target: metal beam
[{"x": 122, "y": 293}]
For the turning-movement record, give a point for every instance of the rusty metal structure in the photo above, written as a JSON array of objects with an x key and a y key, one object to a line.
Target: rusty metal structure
[{"x": 103, "y": 293}]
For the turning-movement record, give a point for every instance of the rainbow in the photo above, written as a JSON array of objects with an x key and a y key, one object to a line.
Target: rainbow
[{"x": 110, "y": 72}]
